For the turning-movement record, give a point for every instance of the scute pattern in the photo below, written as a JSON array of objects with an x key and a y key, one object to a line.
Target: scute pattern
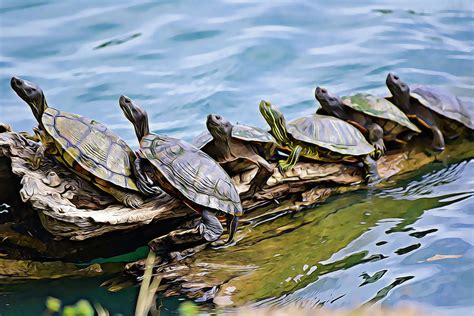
[
  {"x": 250, "y": 133},
  {"x": 93, "y": 146},
  {"x": 242, "y": 132},
  {"x": 379, "y": 107},
  {"x": 330, "y": 133},
  {"x": 443, "y": 103},
  {"x": 196, "y": 175},
  {"x": 202, "y": 139}
]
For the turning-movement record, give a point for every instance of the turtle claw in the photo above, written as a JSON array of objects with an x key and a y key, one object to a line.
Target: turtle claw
[
  {"x": 380, "y": 149},
  {"x": 283, "y": 166},
  {"x": 133, "y": 201},
  {"x": 219, "y": 244}
]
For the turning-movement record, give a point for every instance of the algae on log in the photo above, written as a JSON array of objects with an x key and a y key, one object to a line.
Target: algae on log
[
  {"x": 71, "y": 208},
  {"x": 13, "y": 271},
  {"x": 262, "y": 263},
  {"x": 82, "y": 221}
]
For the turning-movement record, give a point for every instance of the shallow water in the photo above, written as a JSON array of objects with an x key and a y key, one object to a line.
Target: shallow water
[{"x": 182, "y": 61}]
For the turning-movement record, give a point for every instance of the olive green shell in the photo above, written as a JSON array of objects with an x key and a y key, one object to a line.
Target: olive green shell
[
  {"x": 192, "y": 172},
  {"x": 91, "y": 145},
  {"x": 442, "y": 102},
  {"x": 330, "y": 133},
  {"x": 379, "y": 107},
  {"x": 242, "y": 132}
]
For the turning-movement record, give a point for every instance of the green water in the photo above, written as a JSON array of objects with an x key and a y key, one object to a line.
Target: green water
[{"x": 182, "y": 61}]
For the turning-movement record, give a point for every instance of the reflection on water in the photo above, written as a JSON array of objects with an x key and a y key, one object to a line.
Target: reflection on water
[{"x": 182, "y": 61}]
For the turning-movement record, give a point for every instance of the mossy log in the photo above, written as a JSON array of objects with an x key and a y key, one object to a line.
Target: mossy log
[
  {"x": 58, "y": 215},
  {"x": 13, "y": 271},
  {"x": 266, "y": 251}
]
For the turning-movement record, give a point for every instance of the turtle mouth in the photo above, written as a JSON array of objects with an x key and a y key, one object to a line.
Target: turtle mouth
[
  {"x": 265, "y": 108},
  {"x": 22, "y": 87},
  {"x": 126, "y": 104},
  {"x": 213, "y": 120},
  {"x": 321, "y": 93},
  {"x": 391, "y": 79}
]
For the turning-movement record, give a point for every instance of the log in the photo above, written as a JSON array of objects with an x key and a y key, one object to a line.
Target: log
[
  {"x": 70, "y": 208},
  {"x": 54, "y": 214},
  {"x": 252, "y": 269},
  {"x": 14, "y": 271}
]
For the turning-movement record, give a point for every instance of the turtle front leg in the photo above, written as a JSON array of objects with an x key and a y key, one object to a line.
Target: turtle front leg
[
  {"x": 41, "y": 151},
  {"x": 438, "y": 139},
  {"x": 129, "y": 199},
  {"x": 210, "y": 227},
  {"x": 371, "y": 171},
  {"x": 144, "y": 183},
  {"x": 28, "y": 136},
  {"x": 39, "y": 156},
  {"x": 264, "y": 172},
  {"x": 291, "y": 161},
  {"x": 376, "y": 139}
]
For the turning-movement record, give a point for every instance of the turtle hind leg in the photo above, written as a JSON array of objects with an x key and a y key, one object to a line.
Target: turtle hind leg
[
  {"x": 438, "y": 139},
  {"x": 144, "y": 183},
  {"x": 210, "y": 227},
  {"x": 371, "y": 172},
  {"x": 376, "y": 139}
]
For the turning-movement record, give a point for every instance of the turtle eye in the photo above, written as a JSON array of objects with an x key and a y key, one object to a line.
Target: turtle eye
[
  {"x": 218, "y": 117},
  {"x": 28, "y": 90},
  {"x": 396, "y": 77},
  {"x": 324, "y": 90}
]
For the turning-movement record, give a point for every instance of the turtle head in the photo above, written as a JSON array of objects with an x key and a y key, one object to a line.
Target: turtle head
[
  {"x": 275, "y": 120},
  {"x": 329, "y": 103},
  {"x": 31, "y": 94},
  {"x": 136, "y": 115},
  {"x": 218, "y": 126},
  {"x": 400, "y": 91}
]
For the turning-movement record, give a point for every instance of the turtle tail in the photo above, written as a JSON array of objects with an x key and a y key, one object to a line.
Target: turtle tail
[{"x": 232, "y": 223}]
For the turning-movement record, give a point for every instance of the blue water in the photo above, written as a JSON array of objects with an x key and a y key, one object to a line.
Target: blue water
[{"x": 182, "y": 60}]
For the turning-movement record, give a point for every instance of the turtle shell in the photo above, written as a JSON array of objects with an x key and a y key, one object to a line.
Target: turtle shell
[
  {"x": 91, "y": 145},
  {"x": 330, "y": 133},
  {"x": 442, "y": 102},
  {"x": 192, "y": 172},
  {"x": 379, "y": 107},
  {"x": 242, "y": 132}
]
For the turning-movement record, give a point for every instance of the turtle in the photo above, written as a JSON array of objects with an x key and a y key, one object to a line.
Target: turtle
[
  {"x": 85, "y": 146},
  {"x": 375, "y": 117},
  {"x": 228, "y": 143},
  {"x": 432, "y": 108},
  {"x": 186, "y": 173},
  {"x": 319, "y": 137}
]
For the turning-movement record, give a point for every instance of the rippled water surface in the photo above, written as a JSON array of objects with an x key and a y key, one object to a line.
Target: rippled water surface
[{"x": 182, "y": 60}]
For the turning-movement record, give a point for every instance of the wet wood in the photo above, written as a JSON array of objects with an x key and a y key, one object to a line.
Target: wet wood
[
  {"x": 223, "y": 276},
  {"x": 19, "y": 270},
  {"x": 56, "y": 215}
]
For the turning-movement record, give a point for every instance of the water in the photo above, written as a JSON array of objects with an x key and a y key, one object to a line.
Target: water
[{"x": 182, "y": 61}]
